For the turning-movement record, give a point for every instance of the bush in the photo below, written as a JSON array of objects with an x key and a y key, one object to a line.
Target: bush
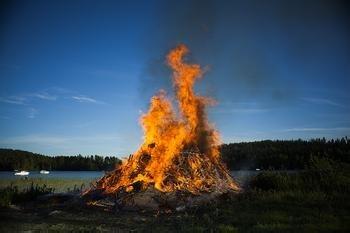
[
  {"x": 323, "y": 175},
  {"x": 327, "y": 175},
  {"x": 274, "y": 181}
]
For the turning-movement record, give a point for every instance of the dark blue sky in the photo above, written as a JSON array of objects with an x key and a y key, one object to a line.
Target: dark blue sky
[{"x": 75, "y": 75}]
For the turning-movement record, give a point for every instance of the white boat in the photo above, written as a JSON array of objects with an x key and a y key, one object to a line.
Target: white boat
[
  {"x": 22, "y": 173},
  {"x": 258, "y": 169},
  {"x": 44, "y": 172}
]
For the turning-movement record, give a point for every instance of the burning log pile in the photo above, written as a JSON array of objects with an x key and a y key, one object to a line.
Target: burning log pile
[{"x": 178, "y": 164}]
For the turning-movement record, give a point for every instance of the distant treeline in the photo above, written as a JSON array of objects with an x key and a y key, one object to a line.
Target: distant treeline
[
  {"x": 291, "y": 154},
  {"x": 24, "y": 160}
]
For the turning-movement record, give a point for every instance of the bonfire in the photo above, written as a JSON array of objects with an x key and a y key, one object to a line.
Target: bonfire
[{"x": 179, "y": 158}]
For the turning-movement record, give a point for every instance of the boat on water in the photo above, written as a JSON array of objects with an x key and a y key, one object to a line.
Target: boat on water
[
  {"x": 44, "y": 172},
  {"x": 22, "y": 173}
]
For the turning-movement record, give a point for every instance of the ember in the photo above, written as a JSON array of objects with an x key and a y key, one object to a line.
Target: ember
[{"x": 180, "y": 149}]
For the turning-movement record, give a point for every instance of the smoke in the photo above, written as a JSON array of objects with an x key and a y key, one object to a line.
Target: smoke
[
  {"x": 249, "y": 45},
  {"x": 190, "y": 22}
]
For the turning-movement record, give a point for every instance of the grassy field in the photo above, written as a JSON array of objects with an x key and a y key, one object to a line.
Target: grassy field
[{"x": 316, "y": 200}]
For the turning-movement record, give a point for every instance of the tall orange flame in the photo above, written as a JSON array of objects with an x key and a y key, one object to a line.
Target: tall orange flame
[{"x": 180, "y": 148}]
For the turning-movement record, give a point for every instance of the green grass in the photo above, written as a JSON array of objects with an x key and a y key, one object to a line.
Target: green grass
[
  {"x": 251, "y": 211},
  {"x": 12, "y": 195},
  {"x": 264, "y": 211},
  {"x": 58, "y": 185}
]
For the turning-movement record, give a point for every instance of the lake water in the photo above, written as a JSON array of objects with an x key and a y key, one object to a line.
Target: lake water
[
  {"x": 241, "y": 176},
  {"x": 86, "y": 175}
]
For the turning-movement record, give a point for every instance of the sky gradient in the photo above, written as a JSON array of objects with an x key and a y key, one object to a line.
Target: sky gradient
[{"x": 76, "y": 75}]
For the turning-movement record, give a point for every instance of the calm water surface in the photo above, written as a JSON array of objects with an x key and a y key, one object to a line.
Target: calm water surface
[
  {"x": 241, "y": 176},
  {"x": 56, "y": 175}
]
